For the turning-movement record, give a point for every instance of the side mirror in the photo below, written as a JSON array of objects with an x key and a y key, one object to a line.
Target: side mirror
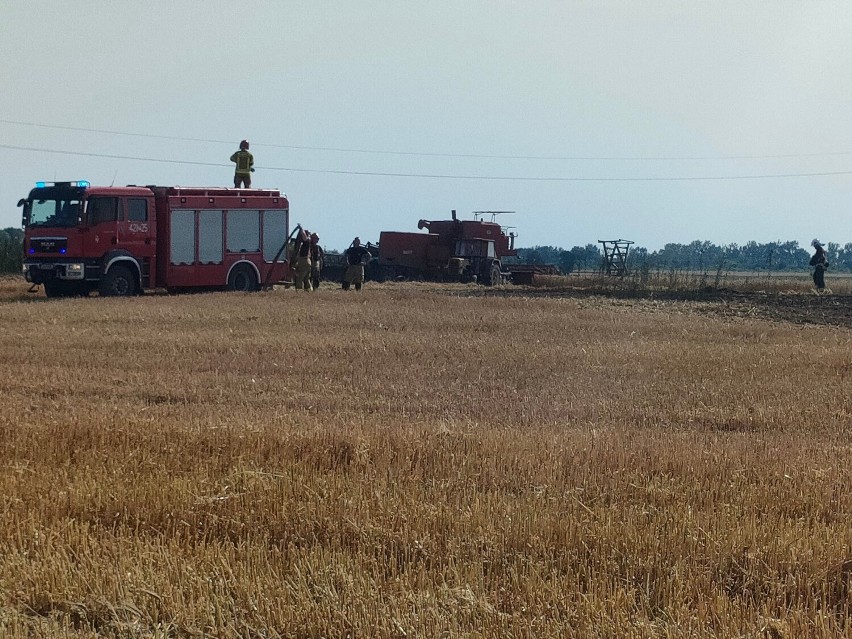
[{"x": 21, "y": 202}]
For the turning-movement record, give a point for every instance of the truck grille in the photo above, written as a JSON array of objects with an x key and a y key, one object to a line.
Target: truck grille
[{"x": 49, "y": 245}]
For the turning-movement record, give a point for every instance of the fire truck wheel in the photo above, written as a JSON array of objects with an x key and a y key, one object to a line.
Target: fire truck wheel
[
  {"x": 118, "y": 281},
  {"x": 243, "y": 279}
]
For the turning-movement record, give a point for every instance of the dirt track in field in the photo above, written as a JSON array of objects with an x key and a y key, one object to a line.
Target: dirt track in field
[{"x": 796, "y": 308}]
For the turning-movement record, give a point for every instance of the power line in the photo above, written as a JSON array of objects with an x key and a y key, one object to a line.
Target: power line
[
  {"x": 507, "y": 178},
  {"x": 623, "y": 158}
]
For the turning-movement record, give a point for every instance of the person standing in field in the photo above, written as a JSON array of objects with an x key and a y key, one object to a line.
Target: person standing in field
[
  {"x": 356, "y": 256},
  {"x": 303, "y": 262},
  {"x": 245, "y": 166},
  {"x": 820, "y": 263},
  {"x": 316, "y": 260}
]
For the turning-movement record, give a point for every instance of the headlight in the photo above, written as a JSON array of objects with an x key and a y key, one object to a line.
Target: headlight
[{"x": 74, "y": 268}]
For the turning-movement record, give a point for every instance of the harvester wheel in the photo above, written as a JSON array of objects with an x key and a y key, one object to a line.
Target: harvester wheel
[
  {"x": 242, "y": 278},
  {"x": 118, "y": 282},
  {"x": 495, "y": 277}
]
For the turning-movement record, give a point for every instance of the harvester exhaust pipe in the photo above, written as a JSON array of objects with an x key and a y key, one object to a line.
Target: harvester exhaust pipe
[{"x": 453, "y": 213}]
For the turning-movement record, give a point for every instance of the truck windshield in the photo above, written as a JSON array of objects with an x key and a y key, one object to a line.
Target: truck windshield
[{"x": 55, "y": 212}]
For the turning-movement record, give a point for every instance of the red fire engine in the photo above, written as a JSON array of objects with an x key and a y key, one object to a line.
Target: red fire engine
[{"x": 122, "y": 240}]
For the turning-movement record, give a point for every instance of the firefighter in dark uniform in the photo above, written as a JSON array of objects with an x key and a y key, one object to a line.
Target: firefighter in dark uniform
[
  {"x": 820, "y": 262},
  {"x": 356, "y": 257},
  {"x": 316, "y": 260},
  {"x": 245, "y": 166}
]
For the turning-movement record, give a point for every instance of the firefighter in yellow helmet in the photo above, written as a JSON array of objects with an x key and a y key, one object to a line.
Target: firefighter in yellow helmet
[{"x": 245, "y": 166}]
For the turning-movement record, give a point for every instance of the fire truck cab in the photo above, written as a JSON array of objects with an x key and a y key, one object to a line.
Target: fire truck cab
[{"x": 80, "y": 238}]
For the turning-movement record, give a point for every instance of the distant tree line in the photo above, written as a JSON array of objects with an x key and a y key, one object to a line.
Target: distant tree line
[{"x": 697, "y": 256}]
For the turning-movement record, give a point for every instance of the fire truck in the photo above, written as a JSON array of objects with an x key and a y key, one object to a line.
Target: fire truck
[
  {"x": 80, "y": 238},
  {"x": 454, "y": 249}
]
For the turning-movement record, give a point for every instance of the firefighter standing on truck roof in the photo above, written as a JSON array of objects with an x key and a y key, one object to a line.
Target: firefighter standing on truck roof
[
  {"x": 316, "y": 260},
  {"x": 245, "y": 165},
  {"x": 356, "y": 255},
  {"x": 303, "y": 262}
]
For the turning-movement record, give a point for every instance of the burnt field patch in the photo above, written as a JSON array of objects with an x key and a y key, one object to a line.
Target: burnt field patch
[{"x": 796, "y": 308}]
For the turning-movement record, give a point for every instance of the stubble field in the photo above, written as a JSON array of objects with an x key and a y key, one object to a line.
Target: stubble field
[{"x": 417, "y": 461}]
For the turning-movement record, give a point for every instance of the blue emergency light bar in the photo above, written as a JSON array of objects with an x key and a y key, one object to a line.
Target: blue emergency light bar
[{"x": 83, "y": 184}]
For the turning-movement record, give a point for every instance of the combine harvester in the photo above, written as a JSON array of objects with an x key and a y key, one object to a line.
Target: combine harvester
[{"x": 452, "y": 251}]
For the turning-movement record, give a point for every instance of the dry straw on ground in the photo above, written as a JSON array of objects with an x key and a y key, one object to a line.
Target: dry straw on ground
[{"x": 408, "y": 463}]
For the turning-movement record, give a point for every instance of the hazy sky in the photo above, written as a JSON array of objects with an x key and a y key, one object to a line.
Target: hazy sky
[{"x": 537, "y": 96}]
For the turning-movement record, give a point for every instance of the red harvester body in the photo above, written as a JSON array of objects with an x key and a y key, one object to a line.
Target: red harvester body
[{"x": 452, "y": 250}]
